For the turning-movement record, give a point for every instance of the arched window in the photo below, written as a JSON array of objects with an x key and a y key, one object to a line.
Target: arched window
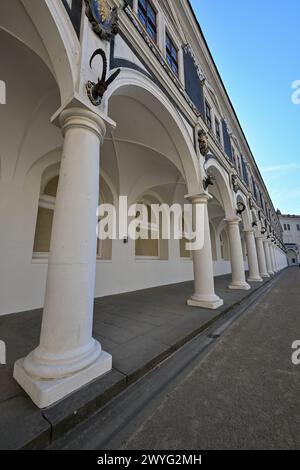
[
  {"x": 154, "y": 248},
  {"x": 42, "y": 238},
  {"x": 44, "y": 222},
  {"x": 224, "y": 246},
  {"x": 184, "y": 253},
  {"x": 147, "y": 248}
]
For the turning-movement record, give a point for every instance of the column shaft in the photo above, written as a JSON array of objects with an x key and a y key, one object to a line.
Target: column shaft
[
  {"x": 262, "y": 263},
  {"x": 68, "y": 356},
  {"x": 254, "y": 275},
  {"x": 204, "y": 295},
  {"x": 268, "y": 258},
  {"x": 273, "y": 257},
  {"x": 236, "y": 256}
]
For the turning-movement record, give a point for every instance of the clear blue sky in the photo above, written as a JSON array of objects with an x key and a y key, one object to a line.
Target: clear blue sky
[{"x": 256, "y": 46}]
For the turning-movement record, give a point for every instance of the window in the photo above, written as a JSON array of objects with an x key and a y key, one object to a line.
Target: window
[
  {"x": 171, "y": 54},
  {"x": 208, "y": 114},
  {"x": 254, "y": 188},
  {"x": 233, "y": 155},
  {"x": 147, "y": 16},
  {"x": 298, "y": 227},
  {"x": 284, "y": 227},
  {"x": 239, "y": 165},
  {"x": 235, "y": 158},
  {"x": 218, "y": 131}
]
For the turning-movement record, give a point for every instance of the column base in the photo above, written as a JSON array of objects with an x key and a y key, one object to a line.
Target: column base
[
  {"x": 211, "y": 303},
  {"x": 44, "y": 393},
  {"x": 271, "y": 273},
  {"x": 266, "y": 275},
  {"x": 239, "y": 286},
  {"x": 255, "y": 279}
]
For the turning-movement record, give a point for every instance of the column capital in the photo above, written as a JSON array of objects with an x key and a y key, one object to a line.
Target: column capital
[
  {"x": 199, "y": 198},
  {"x": 233, "y": 221},
  {"x": 84, "y": 119},
  {"x": 248, "y": 230}
]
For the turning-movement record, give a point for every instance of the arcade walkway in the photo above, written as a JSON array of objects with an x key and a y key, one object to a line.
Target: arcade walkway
[{"x": 139, "y": 329}]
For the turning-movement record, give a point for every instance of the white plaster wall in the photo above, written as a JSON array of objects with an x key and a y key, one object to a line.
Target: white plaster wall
[
  {"x": 23, "y": 279},
  {"x": 281, "y": 259},
  {"x": 293, "y": 235}
]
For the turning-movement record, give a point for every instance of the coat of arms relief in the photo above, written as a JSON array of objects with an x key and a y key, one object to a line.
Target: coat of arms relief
[{"x": 104, "y": 19}]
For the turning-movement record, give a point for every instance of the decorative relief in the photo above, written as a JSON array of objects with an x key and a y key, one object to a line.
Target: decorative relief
[
  {"x": 105, "y": 20},
  {"x": 97, "y": 90},
  {"x": 240, "y": 208},
  {"x": 208, "y": 181},
  {"x": 203, "y": 142},
  {"x": 234, "y": 183}
]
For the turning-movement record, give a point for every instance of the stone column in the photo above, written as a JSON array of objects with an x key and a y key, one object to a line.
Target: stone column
[
  {"x": 262, "y": 263},
  {"x": 277, "y": 263},
  {"x": 273, "y": 262},
  {"x": 68, "y": 357},
  {"x": 204, "y": 295},
  {"x": 268, "y": 258},
  {"x": 254, "y": 275},
  {"x": 236, "y": 256}
]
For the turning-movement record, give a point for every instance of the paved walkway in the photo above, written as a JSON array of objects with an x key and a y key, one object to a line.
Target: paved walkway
[
  {"x": 245, "y": 394},
  {"x": 139, "y": 329}
]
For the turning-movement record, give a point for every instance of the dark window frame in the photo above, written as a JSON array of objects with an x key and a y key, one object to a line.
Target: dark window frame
[
  {"x": 172, "y": 54},
  {"x": 208, "y": 116},
  {"x": 240, "y": 165},
  {"x": 146, "y": 19},
  {"x": 218, "y": 130}
]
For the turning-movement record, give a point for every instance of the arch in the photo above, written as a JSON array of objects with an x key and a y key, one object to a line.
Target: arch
[
  {"x": 45, "y": 166},
  {"x": 140, "y": 88},
  {"x": 246, "y": 215},
  {"x": 44, "y": 27},
  {"x": 45, "y": 212},
  {"x": 222, "y": 184},
  {"x": 54, "y": 27}
]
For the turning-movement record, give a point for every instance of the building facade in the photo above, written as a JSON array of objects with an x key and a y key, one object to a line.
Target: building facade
[
  {"x": 291, "y": 237},
  {"x": 162, "y": 130}
]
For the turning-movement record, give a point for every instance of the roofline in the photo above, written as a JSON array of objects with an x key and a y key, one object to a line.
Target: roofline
[{"x": 229, "y": 100}]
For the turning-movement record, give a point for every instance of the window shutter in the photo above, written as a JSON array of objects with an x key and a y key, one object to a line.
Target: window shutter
[
  {"x": 193, "y": 84},
  {"x": 227, "y": 141}
]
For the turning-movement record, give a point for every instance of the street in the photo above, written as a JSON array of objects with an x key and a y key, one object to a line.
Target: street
[{"x": 243, "y": 393}]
